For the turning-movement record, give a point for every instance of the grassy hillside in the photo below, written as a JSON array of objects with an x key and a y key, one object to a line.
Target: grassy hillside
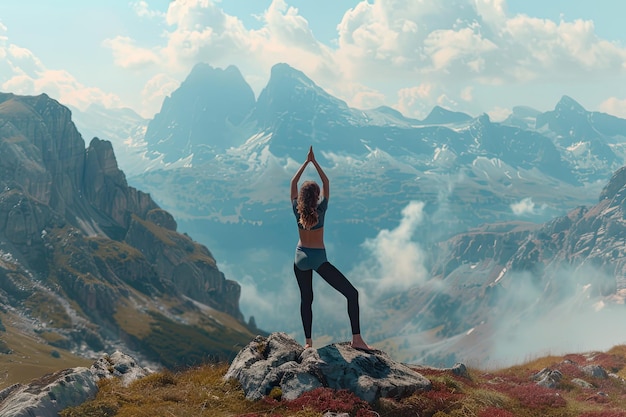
[
  {"x": 30, "y": 356},
  {"x": 509, "y": 392}
]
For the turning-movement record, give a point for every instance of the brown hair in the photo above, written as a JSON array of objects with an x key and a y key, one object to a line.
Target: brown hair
[{"x": 307, "y": 204}]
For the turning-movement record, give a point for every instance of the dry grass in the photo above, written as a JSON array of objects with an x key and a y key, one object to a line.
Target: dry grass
[
  {"x": 32, "y": 357},
  {"x": 196, "y": 392},
  {"x": 133, "y": 321},
  {"x": 507, "y": 392}
]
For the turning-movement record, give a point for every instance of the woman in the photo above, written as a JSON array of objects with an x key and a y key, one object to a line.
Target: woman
[{"x": 311, "y": 254}]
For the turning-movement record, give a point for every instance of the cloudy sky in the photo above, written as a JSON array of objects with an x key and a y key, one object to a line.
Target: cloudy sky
[{"x": 467, "y": 55}]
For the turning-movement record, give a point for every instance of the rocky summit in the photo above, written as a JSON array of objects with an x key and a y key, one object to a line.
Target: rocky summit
[
  {"x": 88, "y": 263},
  {"x": 278, "y": 362}
]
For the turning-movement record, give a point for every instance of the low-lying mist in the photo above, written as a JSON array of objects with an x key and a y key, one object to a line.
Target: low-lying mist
[{"x": 525, "y": 316}]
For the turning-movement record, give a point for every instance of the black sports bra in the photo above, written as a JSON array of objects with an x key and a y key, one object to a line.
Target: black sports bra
[{"x": 321, "y": 212}]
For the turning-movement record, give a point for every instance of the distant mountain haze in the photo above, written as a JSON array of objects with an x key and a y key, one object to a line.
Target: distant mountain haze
[
  {"x": 414, "y": 210},
  {"x": 203, "y": 110}
]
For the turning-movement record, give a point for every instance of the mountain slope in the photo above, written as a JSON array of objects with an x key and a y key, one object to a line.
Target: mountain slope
[
  {"x": 88, "y": 263},
  {"x": 525, "y": 281}
]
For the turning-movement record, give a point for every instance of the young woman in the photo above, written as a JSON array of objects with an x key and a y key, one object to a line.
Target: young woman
[{"x": 311, "y": 254}]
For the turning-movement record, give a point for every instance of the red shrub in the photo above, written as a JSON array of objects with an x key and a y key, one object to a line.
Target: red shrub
[
  {"x": 533, "y": 396},
  {"x": 495, "y": 412},
  {"x": 258, "y": 415},
  {"x": 576, "y": 358},
  {"x": 570, "y": 370},
  {"x": 327, "y": 399},
  {"x": 598, "y": 398},
  {"x": 607, "y": 413},
  {"x": 430, "y": 402},
  {"x": 611, "y": 363}
]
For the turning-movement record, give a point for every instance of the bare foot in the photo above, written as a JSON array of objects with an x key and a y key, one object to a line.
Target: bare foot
[
  {"x": 359, "y": 343},
  {"x": 308, "y": 344}
]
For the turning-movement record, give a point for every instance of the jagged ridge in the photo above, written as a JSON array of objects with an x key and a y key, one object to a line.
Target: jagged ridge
[{"x": 94, "y": 262}]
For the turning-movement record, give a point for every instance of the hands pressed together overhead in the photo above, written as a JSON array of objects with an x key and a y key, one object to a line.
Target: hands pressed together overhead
[{"x": 310, "y": 157}]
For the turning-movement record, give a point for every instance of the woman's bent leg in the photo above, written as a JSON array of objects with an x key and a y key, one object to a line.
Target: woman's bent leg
[
  {"x": 339, "y": 282},
  {"x": 305, "y": 282}
]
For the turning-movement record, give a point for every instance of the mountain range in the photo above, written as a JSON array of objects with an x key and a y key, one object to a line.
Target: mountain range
[
  {"x": 91, "y": 264},
  {"x": 224, "y": 176},
  {"x": 468, "y": 170},
  {"x": 457, "y": 229}
]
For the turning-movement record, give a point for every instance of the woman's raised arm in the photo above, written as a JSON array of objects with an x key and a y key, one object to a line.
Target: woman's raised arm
[
  {"x": 296, "y": 178},
  {"x": 320, "y": 172}
]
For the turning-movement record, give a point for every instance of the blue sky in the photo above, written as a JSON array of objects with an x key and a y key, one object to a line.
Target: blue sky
[{"x": 475, "y": 56}]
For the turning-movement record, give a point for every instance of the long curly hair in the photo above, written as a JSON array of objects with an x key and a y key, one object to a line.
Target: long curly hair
[{"x": 307, "y": 204}]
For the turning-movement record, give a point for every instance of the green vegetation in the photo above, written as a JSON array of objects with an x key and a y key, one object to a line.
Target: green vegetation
[
  {"x": 134, "y": 322},
  {"x": 48, "y": 309},
  {"x": 175, "y": 344},
  {"x": 193, "y": 338},
  {"x": 109, "y": 249},
  {"x": 510, "y": 392},
  {"x": 4, "y": 348},
  {"x": 54, "y": 338},
  {"x": 164, "y": 235}
]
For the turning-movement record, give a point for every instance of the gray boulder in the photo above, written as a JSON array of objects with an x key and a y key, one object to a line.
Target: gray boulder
[
  {"x": 595, "y": 371},
  {"x": 46, "y": 396},
  {"x": 118, "y": 365},
  {"x": 548, "y": 378},
  {"x": 581, "y": 383},
  {"x": 278, "y": 361}
]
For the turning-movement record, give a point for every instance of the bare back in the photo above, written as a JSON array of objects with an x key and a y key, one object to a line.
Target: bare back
[{"x": 311, "y": 238}]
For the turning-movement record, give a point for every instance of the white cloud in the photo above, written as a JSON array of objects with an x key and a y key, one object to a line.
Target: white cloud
[
  {"x": 21, "y": 72},
  {"x": 469, "y": 42},
  {"x": 155, "y": 91},
  {"x": 142, "y": 9},
  {"x": 127, "y": 55},
  {"x": 467, "y": 94},
  {"x": 411, "y": 100},
  {"x": 614, "y": 106},
  {"x": 396, "y": 261},
  {"x": 286, "y": 26},
  {"x": 447, "y": 47},
  {"x": 367, "y": 99},
  {"x": 498, "y": 114},
  {"x": 450, "y": 50},
  {"x": 411, "y": 55},
  {"x": 563, "y": 49},
  {"x": 523, "y": 207},
  {"x": 21, "y": 53},
  {"x": 526, "y": 207}
]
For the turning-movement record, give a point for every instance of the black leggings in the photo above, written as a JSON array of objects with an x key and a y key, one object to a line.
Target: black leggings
[{"x": 336, "y": 280}]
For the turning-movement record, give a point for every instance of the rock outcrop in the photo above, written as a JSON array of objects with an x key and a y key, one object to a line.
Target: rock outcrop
[
  {"x": 46, "y": 396},
  {"x": 94, "y": 261},
  {"x": 278, "y": 361}
]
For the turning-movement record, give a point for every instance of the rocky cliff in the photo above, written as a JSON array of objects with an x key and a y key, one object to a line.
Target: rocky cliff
[
  {"x": 584, "y": 237},
  {"x": 520, "y": 281},
  {"x": 91, "y": 261}
]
